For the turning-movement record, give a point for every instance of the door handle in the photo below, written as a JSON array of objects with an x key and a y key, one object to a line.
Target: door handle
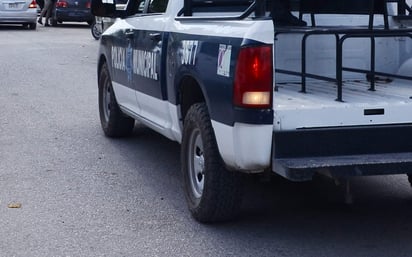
[
  {"x": 155, "y": 36},
  {"x": 129, "y": 33}
]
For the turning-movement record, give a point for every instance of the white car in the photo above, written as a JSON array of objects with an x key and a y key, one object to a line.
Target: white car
[{"x": 18, "y": 12}]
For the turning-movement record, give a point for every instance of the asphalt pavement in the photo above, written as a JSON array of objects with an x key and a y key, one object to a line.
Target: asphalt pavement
[{"x": 78, "y": 193}]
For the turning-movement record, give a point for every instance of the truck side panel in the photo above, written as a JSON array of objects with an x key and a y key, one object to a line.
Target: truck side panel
[{"x": 210, "y": 59}]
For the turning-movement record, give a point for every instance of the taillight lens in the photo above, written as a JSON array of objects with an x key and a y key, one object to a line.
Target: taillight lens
[
  {"x": 88, "y": 5},
  {"x": 61, "y": 4},
  {"x": 33, "y": 4},
  {"x": 254, "y": 77}
]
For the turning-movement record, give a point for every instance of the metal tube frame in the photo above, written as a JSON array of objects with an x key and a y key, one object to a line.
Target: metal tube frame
[{"x": 341, "y": 34}]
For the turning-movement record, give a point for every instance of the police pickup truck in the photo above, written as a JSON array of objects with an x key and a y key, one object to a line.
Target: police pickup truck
[{"x": 243, "y": 94}]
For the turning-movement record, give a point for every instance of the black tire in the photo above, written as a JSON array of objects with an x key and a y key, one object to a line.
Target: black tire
[
  {"x": 114, "y": 122},
  {"x": 409, "y": 178},
  {"x": 212, "y": 192},
  {"x": 32, "y": 26},
  {"x": 96, "y": 32}
]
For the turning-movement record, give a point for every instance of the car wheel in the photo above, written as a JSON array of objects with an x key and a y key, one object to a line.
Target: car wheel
[
  {"x": 96, "y": 32},
  {"x": 32, "y": 26},
  {"x": 114, "y": 123},
  {"x": 409, "y": 178},
  {"x": 212, "y": 192}
]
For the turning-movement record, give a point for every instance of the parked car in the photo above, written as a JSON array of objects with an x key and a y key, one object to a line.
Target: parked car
[
  {"x": 19, "y": 12},
  {"x": 100, "y": 24},
  {"x": 72, "y": 10}
]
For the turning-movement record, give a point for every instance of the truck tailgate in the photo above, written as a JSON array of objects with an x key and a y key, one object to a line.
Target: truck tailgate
[{"x": 390, "y": 103}]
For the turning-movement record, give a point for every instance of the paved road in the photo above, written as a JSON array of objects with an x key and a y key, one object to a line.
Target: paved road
[{"x": 82, "y": 194}]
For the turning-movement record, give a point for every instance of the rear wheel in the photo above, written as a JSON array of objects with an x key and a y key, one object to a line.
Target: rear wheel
[
  {"x": 212, "y": 192},
  {"x": 114, "y": 122},
  {"x": 96, "y": 31},
  {"x": 409, "y": 178}
]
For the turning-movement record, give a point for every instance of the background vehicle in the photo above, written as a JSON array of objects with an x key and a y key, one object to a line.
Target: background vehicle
[
  {"x": 19, "y": 12},
  {"x": 73, "y": 11},
  {"x": 99, "y": 25}
]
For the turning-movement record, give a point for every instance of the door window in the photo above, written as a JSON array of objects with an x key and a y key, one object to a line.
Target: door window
[{"x": 157, "y": 6}]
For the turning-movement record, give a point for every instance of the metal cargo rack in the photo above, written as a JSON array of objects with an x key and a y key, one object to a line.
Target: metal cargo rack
[{"x": 341, "y": 33}]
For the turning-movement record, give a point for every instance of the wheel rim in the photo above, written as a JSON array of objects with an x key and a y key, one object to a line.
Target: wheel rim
[
  {"x": 106, "y": 100},
  {"x": 196, "y": 164},
  {"x": 96, "y": 32}
]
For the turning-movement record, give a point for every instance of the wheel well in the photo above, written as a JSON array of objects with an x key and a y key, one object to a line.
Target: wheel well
[{"x": 190, "y": 93}]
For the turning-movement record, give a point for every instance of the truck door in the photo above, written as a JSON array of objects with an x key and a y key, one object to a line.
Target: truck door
[
  {"x": 145, "y": 68},
  {"x": 121, "y": 59}
]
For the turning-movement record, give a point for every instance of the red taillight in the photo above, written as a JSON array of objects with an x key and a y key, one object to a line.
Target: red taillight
[
  {"x": 61, "y": 4},
  {"x": 88, "y": 5},
  {"x": 254, "y": 77},
  {"x": 33, "y": 4}
]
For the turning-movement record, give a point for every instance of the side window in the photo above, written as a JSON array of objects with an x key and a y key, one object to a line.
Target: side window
[
  {"x": 157, "y": 6},
  {"x": 135, "y": 6}
]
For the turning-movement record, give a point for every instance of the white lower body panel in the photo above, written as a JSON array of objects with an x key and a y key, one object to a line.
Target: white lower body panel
[
  {"x": 244, "y": 147},
  {"x": 155, "y": 113}
]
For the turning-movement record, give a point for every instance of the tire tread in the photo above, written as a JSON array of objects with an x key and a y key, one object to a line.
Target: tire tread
[
  {"x": 118, "y": 125},
  {"x": 223, "y": 189}
]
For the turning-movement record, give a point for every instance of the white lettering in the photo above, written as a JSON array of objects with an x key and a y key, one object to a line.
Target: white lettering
[
  {"x": 118, "y": 58},
  {"x": 189, "y": 51},
  {"x": 145, "y": 64},
  {"x": 140, "y": 62}
]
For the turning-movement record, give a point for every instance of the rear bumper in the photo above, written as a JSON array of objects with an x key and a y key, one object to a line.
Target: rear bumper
[
  {"x": 73, "y": 15},
  {"x": 302, "y": 169},
  {"x": 343, "y": 152},
  {"x": 18, "y": 17}
]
